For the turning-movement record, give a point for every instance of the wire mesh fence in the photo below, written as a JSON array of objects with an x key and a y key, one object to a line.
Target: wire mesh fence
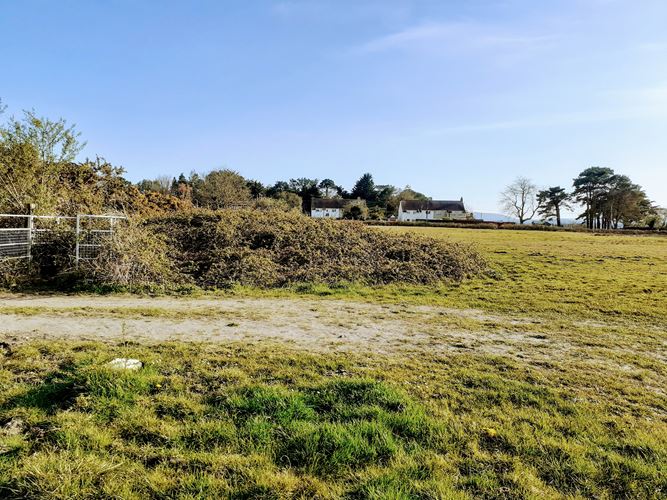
[
  {"x": 21, "y": 234},
  {"x": 14, "y": 243},
  {"x": 15, "y": 236},
  {"x": 92, "y": 231}
]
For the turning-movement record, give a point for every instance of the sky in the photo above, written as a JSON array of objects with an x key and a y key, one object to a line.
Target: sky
[{"x": 454, "y": 98}]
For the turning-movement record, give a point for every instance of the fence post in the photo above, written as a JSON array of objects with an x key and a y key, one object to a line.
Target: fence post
[
  {"x": 31, "y": 228},
  {"x": 78, "y": 230}
]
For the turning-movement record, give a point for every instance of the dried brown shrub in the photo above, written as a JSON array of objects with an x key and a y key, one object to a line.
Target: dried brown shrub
[
  {"x": 274, "y": 248},
  {"x": 135, "y": 257},
  {"x": 14, "y": 273}
]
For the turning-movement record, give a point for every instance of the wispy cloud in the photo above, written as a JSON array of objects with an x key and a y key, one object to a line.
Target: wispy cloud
[
  {"x": 555, "y": 120},
  {"x": 453, "y": 37}
]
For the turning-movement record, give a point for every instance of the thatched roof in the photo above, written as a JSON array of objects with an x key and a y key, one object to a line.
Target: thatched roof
[{"x": 448, "y": 205}]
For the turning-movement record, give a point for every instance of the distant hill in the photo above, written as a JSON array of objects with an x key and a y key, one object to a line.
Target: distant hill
[{"x": 494, "y": 217}]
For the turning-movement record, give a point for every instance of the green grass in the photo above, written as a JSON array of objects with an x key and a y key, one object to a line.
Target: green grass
[
  {"x": 547, "y": 273},
  {"x": 266, "y": 422},
  {"x": 564, "y": 272},
  {"x": 558, "y": 273},
  {"x": 583, "y": 414}
]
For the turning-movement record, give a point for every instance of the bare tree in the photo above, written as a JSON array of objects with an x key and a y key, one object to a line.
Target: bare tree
[
  {"x": 164, "y": 181},
  {"x": 519, "y": 199}
]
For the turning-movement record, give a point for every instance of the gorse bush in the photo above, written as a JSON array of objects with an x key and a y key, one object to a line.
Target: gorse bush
[
  {"x": 274, "y": 248},
  {"x": 256, "y": 248},
  {"x": 134, "y": 258}
]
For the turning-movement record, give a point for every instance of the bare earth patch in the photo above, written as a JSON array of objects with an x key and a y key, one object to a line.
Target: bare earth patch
[{"x": 310, "y": 324}]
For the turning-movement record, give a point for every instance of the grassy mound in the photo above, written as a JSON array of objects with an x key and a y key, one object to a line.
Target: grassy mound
[{"x": 270, "y": 249}]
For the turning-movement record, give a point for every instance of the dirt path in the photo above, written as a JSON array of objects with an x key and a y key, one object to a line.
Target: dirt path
[{"x": 314, "y": 325}]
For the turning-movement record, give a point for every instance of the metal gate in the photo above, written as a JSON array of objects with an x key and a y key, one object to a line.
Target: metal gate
[
  {"x": 91, "y": 232},
  {"x": 19, "y": 234},
  {"x": 15, "y": 236}
]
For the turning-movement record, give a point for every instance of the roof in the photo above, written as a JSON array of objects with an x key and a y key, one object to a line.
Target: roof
[
  {"x": 449, "y": 205},
  {"x": 331, "y": 202}
]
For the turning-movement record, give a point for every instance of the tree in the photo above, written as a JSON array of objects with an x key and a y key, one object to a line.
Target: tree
[
  {"x": 589, "y": 188},
  {"x": 407, "y": 193},
  {"x": 291, "y": 200},
  {"x": 34, "y": 153},
  {"x": 307, "y": 189},
  {"x": 657, "y": 219},
  {"x": 364, "y": 188},
  {"x": 355, "y": 210},
  {"x": 383, "y": 193},
  {"x": 328, "y": 187},
  {"x": 55, "y": 141},
  {"x": 37, "y": 165},
  {"x": 610, "y": 199},
  {"x": 257, "y": 189},
  {"x": 93, "y": 186},
  {"x": 551, "y": 201},
  {"x": 220, "y": 189},
  {"x": 285, "y": 201},
  {"x": 181, "y": 188},
  {"x": 519, "y": 199},
  {"x": 161, "y": 184},
  {"x": 624, "y": 202},
  {"x": 277, "y": 188}
]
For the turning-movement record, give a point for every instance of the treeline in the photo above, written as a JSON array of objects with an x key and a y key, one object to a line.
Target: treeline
[
  {"x": 609, "y": 201},
  {"x": 229, "y": 189},
  {"x": 38, "y": 169}
]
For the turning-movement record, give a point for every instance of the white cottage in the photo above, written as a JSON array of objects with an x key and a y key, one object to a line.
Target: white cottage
[
  {"x": 328, "y": 208},
  {"x": 336, "y": 208},
  {"x": 432, "y": 210}
]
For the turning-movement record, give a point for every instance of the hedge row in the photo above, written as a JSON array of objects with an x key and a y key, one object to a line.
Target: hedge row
[{"x": 476, "y": 224}]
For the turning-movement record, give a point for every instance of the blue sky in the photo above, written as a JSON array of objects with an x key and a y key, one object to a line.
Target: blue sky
[{"x": 455, "y": 98}]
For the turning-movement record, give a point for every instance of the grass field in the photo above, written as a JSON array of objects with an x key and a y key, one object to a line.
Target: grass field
[
  {"x": 565, "y": 272},
  {"x": 597, "y": 276},
  {"x": 550, "y": 382}
]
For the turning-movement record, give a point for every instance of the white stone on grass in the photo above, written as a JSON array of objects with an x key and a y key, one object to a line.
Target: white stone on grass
[{"x": 125, "y": 364}]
